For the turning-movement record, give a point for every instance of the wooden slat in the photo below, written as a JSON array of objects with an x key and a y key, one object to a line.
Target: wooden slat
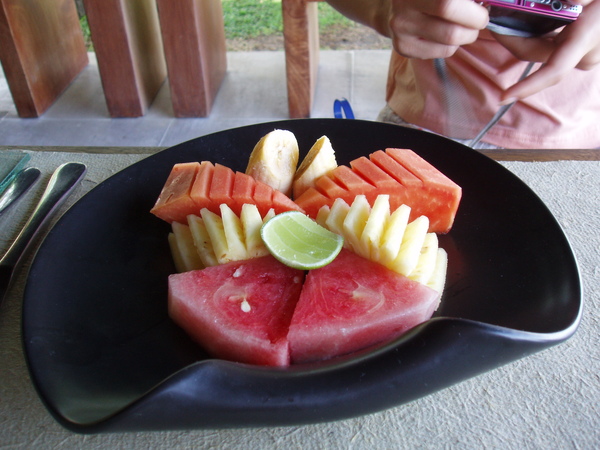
[
  {"x": 301, "y": 42},
  {"x": 127, "y": 41},
  {"x": 543, "y": 155},
  {"x": 41, "y": 50},
  {"x": 498, "y": 155},
  {"x": 193, "y": 34}
]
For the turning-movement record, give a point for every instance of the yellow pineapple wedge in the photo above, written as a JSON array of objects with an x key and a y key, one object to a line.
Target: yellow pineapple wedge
[
  {"x": 184, "y": 253},
  {"x": 437, "y": 281},
  {"x": 202, "y": 242},
  {"x": 371, "y": 238},
  {"x": 234, "y": 234},
  {"x": 251, "y": 224},
  {"x": 210, "y": 239},
  {"x": 319, "y": 160},
  {"x": 425, "y": 266},
  {"x": 410, "y": 249},
  {"x": 354, "y": 224},
  {"x": 335, "y": 220},
  {"x": 274, "y": 159},
  {"x": 216, "y": 232},
  {"x": 386, "y": 237}
]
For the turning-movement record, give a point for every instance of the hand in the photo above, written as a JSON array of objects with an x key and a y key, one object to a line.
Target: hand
[
  {"x": 428, "y": 29},
  {"x": 576, "y": 46}
]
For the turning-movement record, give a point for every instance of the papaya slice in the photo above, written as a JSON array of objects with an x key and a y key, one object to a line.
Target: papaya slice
[
  {"x": 193, "y": 186},
  {"x": 174, "y": 200},
  {"x": 400, "y": 173}
]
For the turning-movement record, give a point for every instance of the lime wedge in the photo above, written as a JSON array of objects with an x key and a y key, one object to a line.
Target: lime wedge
[{"x": 299, "y": 242}]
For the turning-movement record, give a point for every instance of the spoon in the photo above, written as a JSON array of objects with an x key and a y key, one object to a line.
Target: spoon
[{"x": 18, "y": 186}]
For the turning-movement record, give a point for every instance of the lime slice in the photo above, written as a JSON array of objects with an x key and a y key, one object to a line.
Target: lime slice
[{"x": 299, "y": 242}]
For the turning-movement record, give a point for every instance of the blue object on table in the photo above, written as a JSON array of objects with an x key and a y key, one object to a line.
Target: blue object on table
[{"x": 342, "y": 107}]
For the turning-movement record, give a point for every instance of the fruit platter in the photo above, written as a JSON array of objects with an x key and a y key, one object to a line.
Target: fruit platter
[{"x": 483, "y": 271}]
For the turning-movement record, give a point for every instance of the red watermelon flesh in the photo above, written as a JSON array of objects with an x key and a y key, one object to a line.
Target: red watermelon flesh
[
  {"x": 239, "y": 311},
  {"x": 352, "y": 304}
]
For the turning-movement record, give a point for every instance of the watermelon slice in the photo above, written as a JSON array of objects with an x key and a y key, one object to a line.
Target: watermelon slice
[
  {"x": 400, "y": 173},
  {"x": 193, "y": 186},
  {"x": 239, "y": 311},
  {"x": 352, "y": 304}
]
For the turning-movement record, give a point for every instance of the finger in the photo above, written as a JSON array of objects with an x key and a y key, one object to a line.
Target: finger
[
  {"x": 576, "y": 46},
  {"x": 432, "y": 29},
  {"x": 527, "y": 49},
  {"x": 465, "y": 13},
  {"x": 560, "y": 63},
  {"x": 545, "y": 77},
  {"x": 418, "y": 48}
]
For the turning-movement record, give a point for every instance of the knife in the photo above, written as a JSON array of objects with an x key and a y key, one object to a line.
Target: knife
[
  {"x": 62, "y": 182},
  {"x": 18, "y": 186}
]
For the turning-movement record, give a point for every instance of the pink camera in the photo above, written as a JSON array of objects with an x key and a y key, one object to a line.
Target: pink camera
[{"x": 530, "y": 17}]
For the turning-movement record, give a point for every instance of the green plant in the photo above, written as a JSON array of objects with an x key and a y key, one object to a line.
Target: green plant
[
  {"x": 87, "y": 36},
  {"x": 251, "y": 18}
]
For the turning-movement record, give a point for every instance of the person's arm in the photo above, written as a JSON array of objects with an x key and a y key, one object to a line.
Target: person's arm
[
  {"x": 577, "y": 46},
  {"x": 424, "y": 29}
]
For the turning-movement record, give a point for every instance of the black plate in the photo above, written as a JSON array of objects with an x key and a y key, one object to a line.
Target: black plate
[{"x": 104, "y": 356}]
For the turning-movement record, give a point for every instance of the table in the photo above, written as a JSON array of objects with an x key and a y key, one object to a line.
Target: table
[{"x": 548, "y": 400}]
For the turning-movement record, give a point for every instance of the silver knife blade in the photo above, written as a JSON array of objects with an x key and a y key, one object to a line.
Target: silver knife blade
[
  {"x": 18, "y": 186},
  {"x": 62, "y": 182}
]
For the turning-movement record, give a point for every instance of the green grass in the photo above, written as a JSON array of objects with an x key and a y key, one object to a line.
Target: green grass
[
  {"x": 87, "y": 36},
  {"x": 251, "y": 18}
]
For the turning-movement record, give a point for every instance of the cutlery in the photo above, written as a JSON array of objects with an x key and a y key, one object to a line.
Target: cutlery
[
  {"x": 62, "y": 182},
  {"x": 11, "y": 163},
  {"x": 18, "y": 186}
]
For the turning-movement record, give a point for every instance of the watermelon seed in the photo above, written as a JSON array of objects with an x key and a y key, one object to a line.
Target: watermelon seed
[{"x": 245, "y": 306}]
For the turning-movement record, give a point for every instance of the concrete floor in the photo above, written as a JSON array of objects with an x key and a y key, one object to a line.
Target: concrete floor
[{"x": 254, "y": 91}]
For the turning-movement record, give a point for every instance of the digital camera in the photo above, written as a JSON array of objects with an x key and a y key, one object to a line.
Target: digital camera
[{"x": 530, "y": 17}]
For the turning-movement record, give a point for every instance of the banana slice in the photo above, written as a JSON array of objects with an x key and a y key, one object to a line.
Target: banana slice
[
  {"x": 319, "y": 160},
  {"x": 274, "y": 160}
]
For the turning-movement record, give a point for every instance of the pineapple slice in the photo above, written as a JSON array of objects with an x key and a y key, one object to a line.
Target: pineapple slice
[
  {"x": 184, "y": 252},
  {"x": 427, "y": 260},
  {"x": 393, "y": 233},
  {"x": 388, "y": 238},
  {"x": 438, "y": 277},
  {"x": 274, "y": 159},
  {"x": 373, "y": 231},
  {"x": 269, "y": 215},
  {"x": 251, "y": 224},
  {"x": 220, "y": 239},
  {"x": 322, "y": 215},
  {"x": 410, "y": 249},
  {"x": 319, "y": 160},
  {"x": 337, "y": 215},
  {"x": 355, "y": 223},
  {"x": 202, "y": 241},
  {"x": 234, "y": 234},
  {"x": 216, "y": 232},
  {"x": 176, "y": 254}
]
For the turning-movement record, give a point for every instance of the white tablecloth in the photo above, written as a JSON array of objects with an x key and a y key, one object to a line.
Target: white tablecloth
[{"x": 548, "y": 400}]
